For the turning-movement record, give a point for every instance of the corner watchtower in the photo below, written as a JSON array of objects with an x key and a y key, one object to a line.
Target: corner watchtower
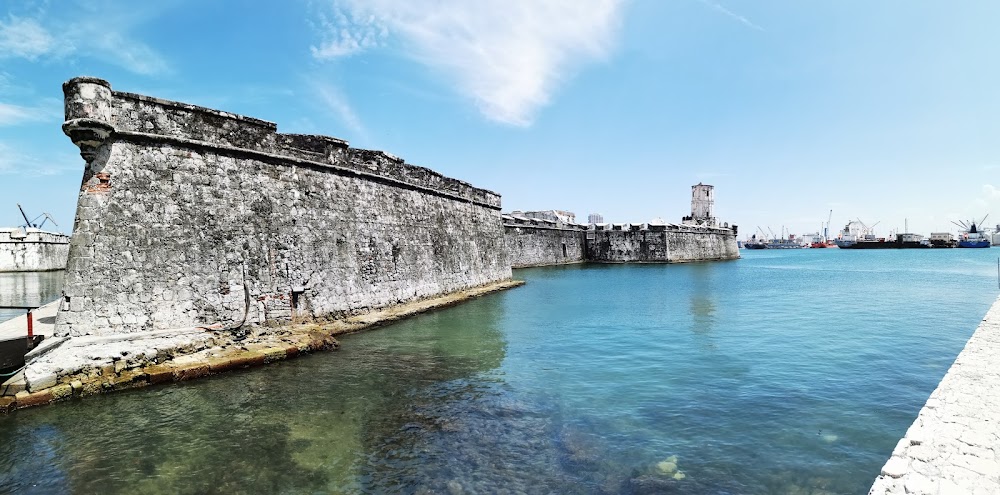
[{"x": 702, "y": 204}]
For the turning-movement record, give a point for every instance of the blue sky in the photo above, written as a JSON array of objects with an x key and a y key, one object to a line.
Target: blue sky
[{"x": 880, "y": 110}]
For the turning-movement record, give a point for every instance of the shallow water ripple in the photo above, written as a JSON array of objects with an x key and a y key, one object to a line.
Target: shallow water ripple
[{"x": 783, "y": 372}]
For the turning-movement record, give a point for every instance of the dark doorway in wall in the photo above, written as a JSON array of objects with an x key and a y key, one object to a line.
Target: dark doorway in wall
[{"x": 564, "y": 249}]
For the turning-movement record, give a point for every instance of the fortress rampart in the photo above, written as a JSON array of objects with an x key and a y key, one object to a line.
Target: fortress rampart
[
  {"x": 660, "y": 244},
  {"x": 538, "y": 242},
  {"x": 23, "y": 250},
  {"x": 189, "y": 216},
  {"x": 196, "y": 229}
]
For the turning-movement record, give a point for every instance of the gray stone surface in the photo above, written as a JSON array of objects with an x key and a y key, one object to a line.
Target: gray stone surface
[
  {"x": 661, "y": 244},
  {"x": 532, "y": 243},
  {"x": 32, "y": 250},
  {"x": 184, "y": 210},
  {"x": 953, "y": 447}
]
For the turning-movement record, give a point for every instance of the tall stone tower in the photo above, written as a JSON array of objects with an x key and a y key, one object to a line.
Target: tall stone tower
[{"x": 702, "y": 204}]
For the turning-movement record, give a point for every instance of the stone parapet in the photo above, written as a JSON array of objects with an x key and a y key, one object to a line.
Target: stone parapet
[
  {"x": 94, "y": 110},
  {"x": 189, "y": 216}
]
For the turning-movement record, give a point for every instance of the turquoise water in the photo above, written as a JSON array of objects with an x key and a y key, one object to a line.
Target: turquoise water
[{"x": 782, "y": 372}]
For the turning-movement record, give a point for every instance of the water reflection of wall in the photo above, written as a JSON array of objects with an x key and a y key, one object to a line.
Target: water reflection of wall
[
  {"x": 325, "y": 423},
  {"x": 28, "y": 289},
  {"x": 702, "y": 301}
]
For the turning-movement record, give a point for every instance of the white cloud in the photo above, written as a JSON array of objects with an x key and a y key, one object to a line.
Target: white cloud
[
  {"x": 348, "y": 33},
  {"x": 508, "y": 56},
  {"x": 15, "y": 162},
  {"x": 339, "y": 105},
  {"x": 50, "y": 109},
  {"x": 14, "y": 114},
  {"x": 24, "y": 38},
  {"x": 102, "y": 33},
  {"x": 991, "y": 193}
]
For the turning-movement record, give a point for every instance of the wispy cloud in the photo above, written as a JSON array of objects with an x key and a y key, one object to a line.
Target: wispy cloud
[
  {"x": 507, "y": 56},
  {"x": 348, "y": 32},
  {"x": 743, "y": 20},
  {"x": 337, "y": 103},
  {"x": 991, "y": 193},
  {"x": 24, "y": 38},
  {"x": 14, "y": 161},
  {"x": 50, "y": 109},
  {"x": 104, "y": 33}
]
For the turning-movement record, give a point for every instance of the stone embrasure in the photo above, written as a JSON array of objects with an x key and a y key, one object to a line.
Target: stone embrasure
[{"x": 953, "y": 447}]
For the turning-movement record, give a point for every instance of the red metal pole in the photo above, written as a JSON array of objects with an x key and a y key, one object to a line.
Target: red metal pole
[{"x": 31, "y": 332}]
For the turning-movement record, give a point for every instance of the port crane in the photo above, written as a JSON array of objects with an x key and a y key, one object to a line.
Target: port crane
[
  {"x": 826, "y": 230},
  {"x": 31, "y": 223},
  {"x": 970, "y": 227},
  {"x": 866, "y": 229}
]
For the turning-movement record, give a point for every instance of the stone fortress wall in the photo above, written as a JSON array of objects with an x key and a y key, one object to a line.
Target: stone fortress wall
[
  {"x": 189, "y": 216},
  {"x": 32, "y": 250},
  {"x": 553, "y": 237},
  {"x": 660, "y": 244},
  {"x": 542, "y": 241}
]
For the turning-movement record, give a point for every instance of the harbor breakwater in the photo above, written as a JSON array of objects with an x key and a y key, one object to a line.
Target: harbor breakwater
[
  {"x": 953, "y": 446},
  {"x": 196, "y": 227}
]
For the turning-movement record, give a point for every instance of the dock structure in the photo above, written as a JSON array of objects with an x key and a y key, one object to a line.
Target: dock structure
[{"x": 954, "y": 444}]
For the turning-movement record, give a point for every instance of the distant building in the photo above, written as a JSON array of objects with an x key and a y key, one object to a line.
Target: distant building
[{"x": 595, "y": 218}]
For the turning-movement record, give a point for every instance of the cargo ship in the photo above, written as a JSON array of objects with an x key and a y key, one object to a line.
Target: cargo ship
[
  {"x": 849, "y": 239},
  {"x": 972, "y": 237}
]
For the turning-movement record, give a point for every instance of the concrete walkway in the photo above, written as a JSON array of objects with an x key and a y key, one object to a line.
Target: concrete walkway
[
  {"x": 953, "y": 447},
  {"x": 44, "y": 319}
]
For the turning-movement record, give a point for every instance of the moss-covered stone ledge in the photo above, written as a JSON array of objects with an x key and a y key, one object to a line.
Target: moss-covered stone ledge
[{"x": 205, "y": 353}]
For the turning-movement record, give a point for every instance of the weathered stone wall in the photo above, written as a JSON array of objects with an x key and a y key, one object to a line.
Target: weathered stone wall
[
  {"x": 661, "y": 244},
  {"x": 32, "y": 250},
  {"x": 184, "y": 211},
  {"x": 540, "y": 244}
]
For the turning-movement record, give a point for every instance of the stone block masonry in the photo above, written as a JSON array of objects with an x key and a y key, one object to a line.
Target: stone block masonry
[
  {"x": 953, "y": 447},
  {"x": 533, "y": 242},
  {"x": 32, "y": 250},
  {"x": 189, "y": 216},
  {"x": 661, "y": 244}
]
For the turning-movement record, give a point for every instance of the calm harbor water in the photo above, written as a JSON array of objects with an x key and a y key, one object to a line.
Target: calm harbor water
[
  {"x": 28, "y": 289},
  {"x": 782, "y": 372}
]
